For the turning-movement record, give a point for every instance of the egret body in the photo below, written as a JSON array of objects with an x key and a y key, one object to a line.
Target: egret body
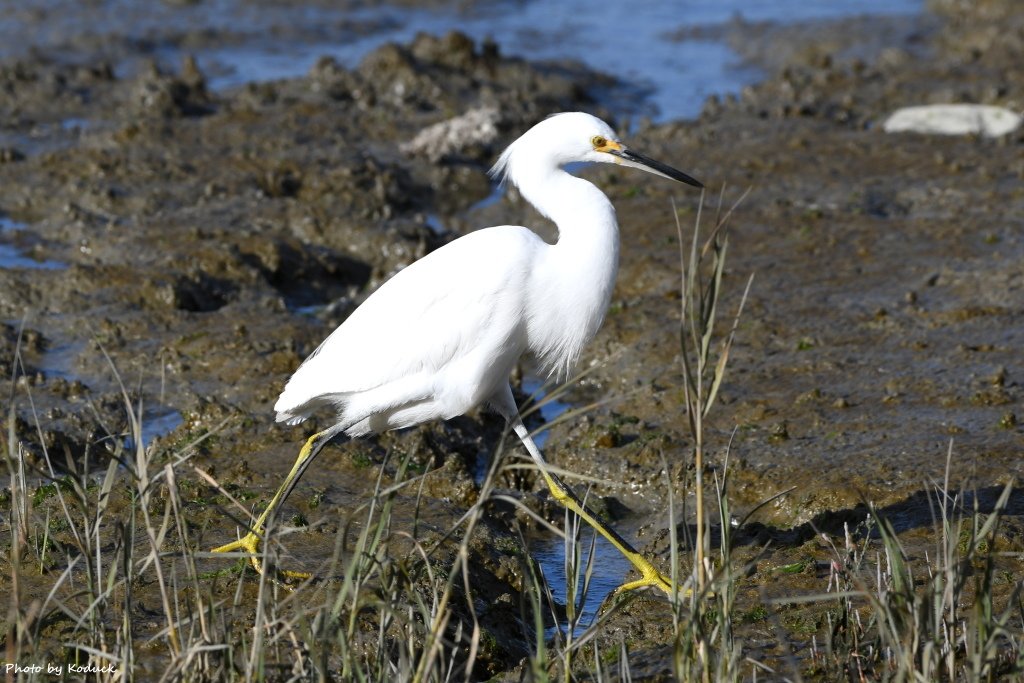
[{"x": 443, "y": 335}]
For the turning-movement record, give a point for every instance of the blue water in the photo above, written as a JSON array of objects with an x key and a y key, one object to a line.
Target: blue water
[
  {"x": 153, "y": 425},
  {"x": 548, "y": 550},
  {"x": 550, "y": 408},
  {"x": 266, "y": 41},
  {"x": 13, "y": 257},
  {"x": 610, "y": 566},
  {"x": 609, "y": 572},
  {"x": 59, "y": 359},
  {"x": 631, "y": 41}
]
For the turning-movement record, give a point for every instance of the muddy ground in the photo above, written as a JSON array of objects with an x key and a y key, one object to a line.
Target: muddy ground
[{"x": 208, "y": 240}]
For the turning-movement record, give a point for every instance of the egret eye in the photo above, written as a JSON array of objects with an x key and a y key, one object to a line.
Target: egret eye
[{"x": 598, "y": 142}]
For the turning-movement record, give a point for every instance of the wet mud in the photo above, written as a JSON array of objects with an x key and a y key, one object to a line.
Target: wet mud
[{"x": 199, "y": 242}]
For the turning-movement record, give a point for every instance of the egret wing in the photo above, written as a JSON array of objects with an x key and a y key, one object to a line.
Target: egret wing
[{"x": 437, "y": 309}]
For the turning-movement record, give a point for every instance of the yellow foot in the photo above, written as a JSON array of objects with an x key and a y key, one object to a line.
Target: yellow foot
[
  {"x": 250, "y": 543},
  {"x": 650, "y": 578}
]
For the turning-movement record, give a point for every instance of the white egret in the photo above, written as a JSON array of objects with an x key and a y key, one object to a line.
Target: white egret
[{"x": 443, "y": 335}]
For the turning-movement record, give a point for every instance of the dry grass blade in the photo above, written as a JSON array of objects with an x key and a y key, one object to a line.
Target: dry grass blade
[{"x": 699, "y": 299}]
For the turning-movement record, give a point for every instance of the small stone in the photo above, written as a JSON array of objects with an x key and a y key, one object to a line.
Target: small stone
[
  {"x": 809, "y": 396},
  {"x": 779, "y": 431}
]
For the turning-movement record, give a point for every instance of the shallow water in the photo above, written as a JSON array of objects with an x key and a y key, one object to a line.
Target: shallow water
[
  {"x": 631, "y": 42},
  {"x": 548, "y": 550},
  {"x": 12, "y": 256},
  {"x": 236, "y": 42},
  {"x": 549, "y": 408},
  {"x": 58, "y": 360},
  {"x": 609, "y": 572},
  {"x": 670, "y": 78},
  {"x": 154, "y": 424}
]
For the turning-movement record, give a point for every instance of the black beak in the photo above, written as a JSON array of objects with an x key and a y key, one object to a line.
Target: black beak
[{"x": 656, "y": 167}]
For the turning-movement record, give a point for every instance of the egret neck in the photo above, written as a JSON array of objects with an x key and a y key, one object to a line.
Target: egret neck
[{"x": 577, "y": 276}]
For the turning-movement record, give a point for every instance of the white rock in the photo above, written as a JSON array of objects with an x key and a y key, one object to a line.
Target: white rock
[
  {"x": 476, "y": 126},
  {"x": 954, "y": 119}
]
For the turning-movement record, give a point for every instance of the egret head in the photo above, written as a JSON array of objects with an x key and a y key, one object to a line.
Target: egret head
[{"x": 575, "y": 137}]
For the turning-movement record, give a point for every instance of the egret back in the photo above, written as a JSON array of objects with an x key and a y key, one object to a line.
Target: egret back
[{"x": 435, "y": 326}]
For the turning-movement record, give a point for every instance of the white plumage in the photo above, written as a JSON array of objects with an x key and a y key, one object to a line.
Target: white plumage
[
  {"x": 442, "y": 336},
  {"x": 434, "y": 341}
]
